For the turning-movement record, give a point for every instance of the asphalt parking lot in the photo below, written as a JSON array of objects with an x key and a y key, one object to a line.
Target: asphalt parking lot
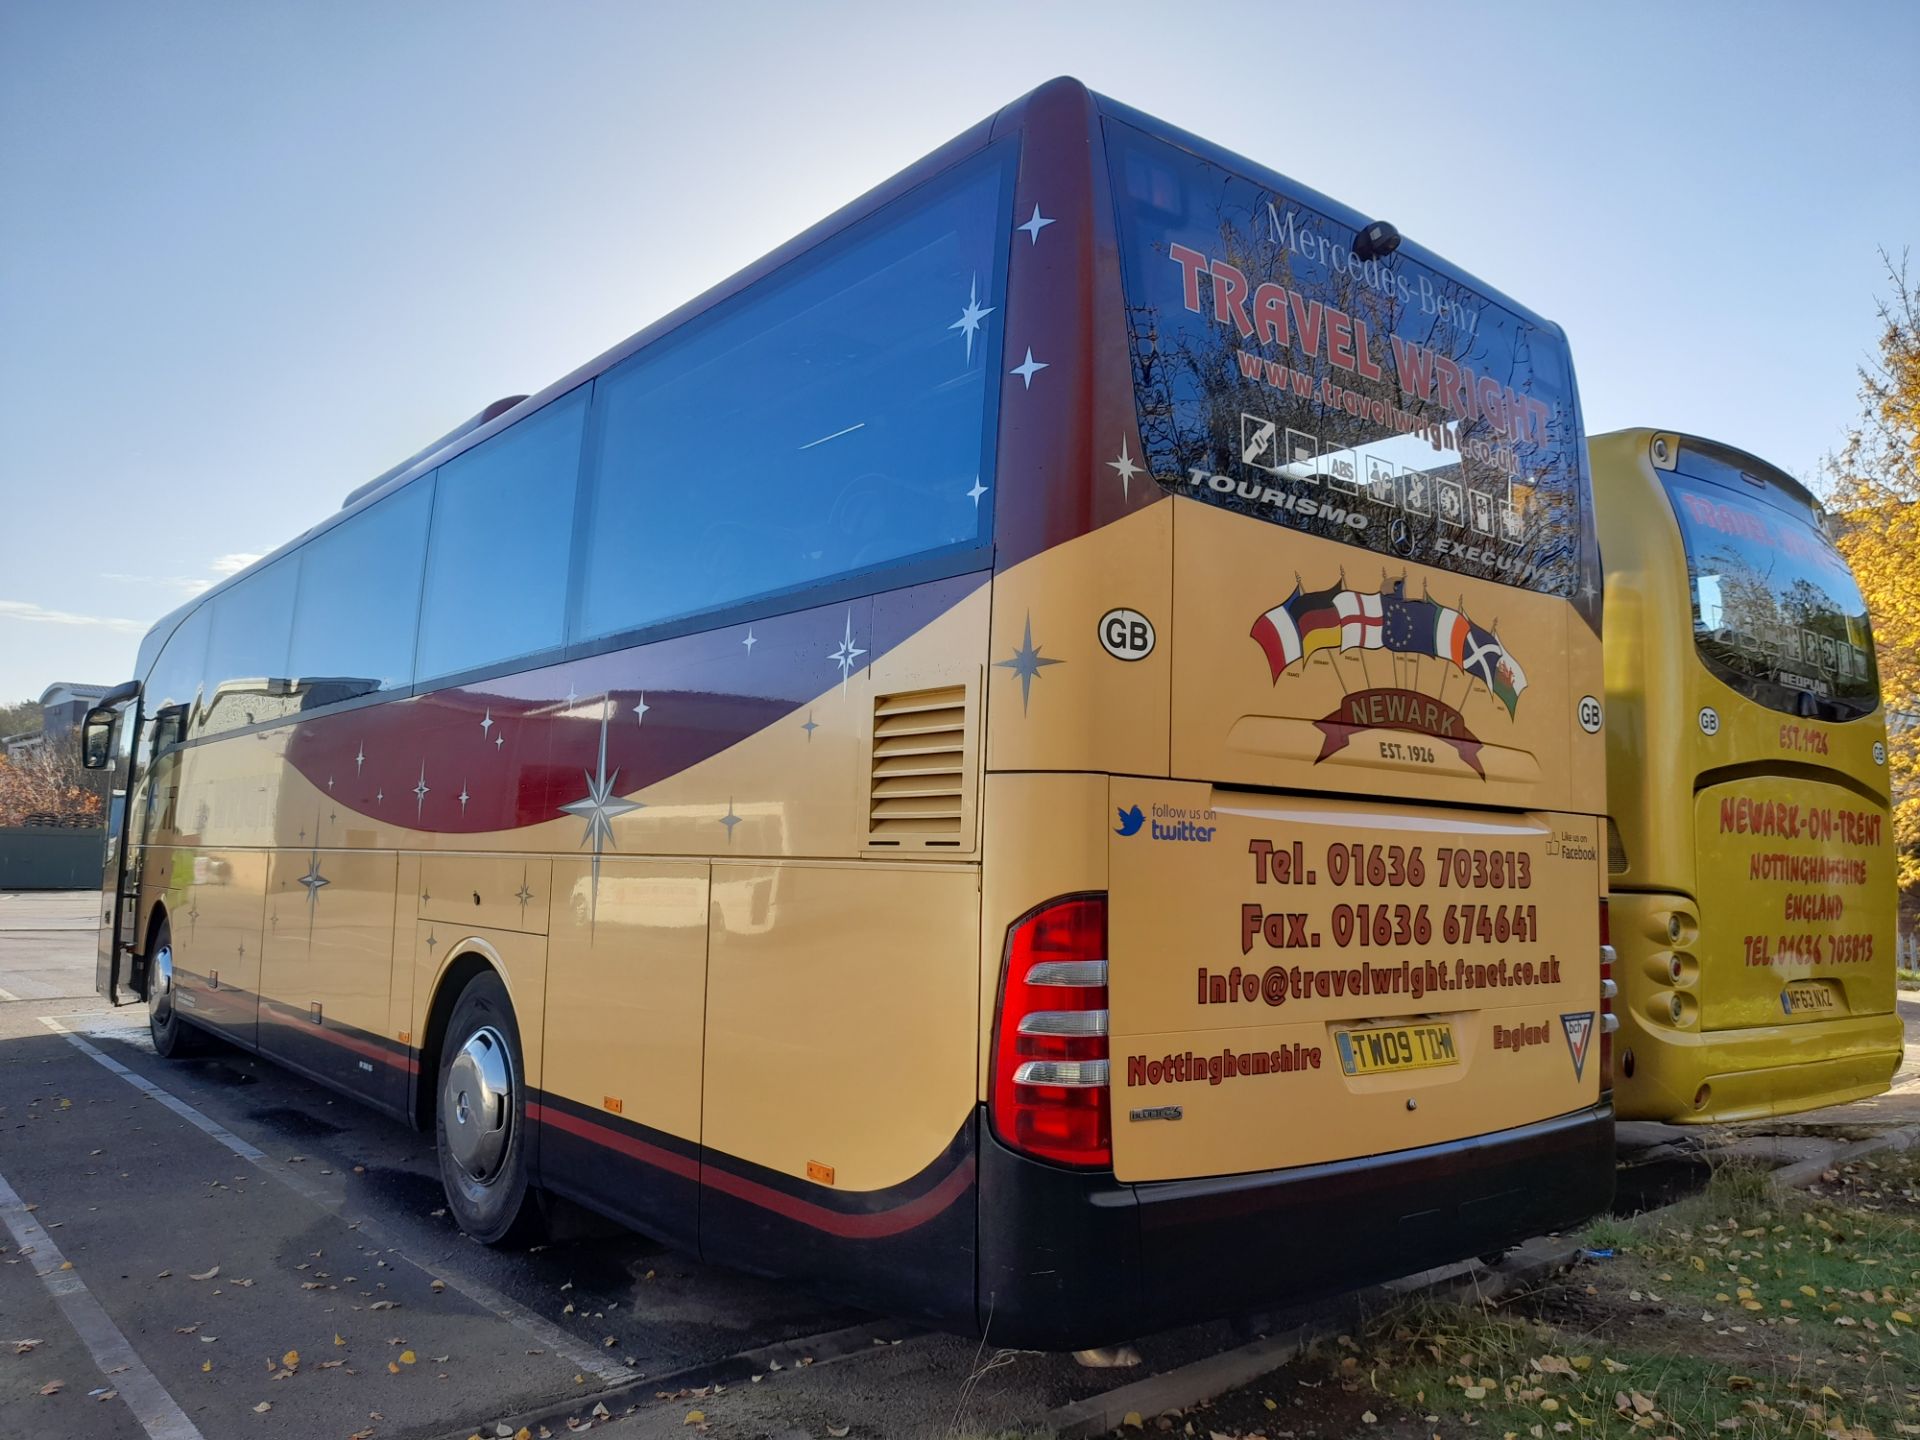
[{"x": 215, "y": 1248}]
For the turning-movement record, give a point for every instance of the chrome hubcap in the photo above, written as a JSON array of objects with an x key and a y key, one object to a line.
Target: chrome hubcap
[
  {"x": 160, "y": 986},
  {"x": 478, "y": 1103}
]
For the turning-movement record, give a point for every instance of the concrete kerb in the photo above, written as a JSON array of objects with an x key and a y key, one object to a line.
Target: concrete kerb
[
  {"x": 1806, "y": 1172},
  {"x": 781, "y": 1356},
  {"x": 1203, "y": 1379},
  {"x": 1529, "y": 1264}
]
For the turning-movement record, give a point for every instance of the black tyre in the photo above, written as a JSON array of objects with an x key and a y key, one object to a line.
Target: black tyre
[
  {"x": 480, "y": 1118},
  {"x": 174, "y": 1036}
]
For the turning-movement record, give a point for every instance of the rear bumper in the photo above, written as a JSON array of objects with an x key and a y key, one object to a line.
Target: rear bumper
[
  {"x": 1754, "y": 1073},
  {"x": 1070, "y": 1260}
]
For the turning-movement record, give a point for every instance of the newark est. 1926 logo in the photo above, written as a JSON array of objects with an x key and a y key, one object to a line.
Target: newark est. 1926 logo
[{"x": 1339, "y": 619}]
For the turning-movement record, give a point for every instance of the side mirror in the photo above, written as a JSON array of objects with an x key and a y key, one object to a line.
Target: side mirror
[{"x": 96, "y": 738}]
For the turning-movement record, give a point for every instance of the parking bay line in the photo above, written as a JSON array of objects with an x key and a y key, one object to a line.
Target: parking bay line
[
  {"x": 549, "y": 1335},
  {"x": 146, "y": 1397}
]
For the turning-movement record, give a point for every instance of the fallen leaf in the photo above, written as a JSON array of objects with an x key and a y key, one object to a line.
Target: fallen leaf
[
  {"x": 53, "y": 1387},
  {"x": 338, "y": 1341},
  {"x": 695, "y": 1417},
  {"x": 21, "y": 1347},
  {"x": 263, "y": 1407},
  {"x": 407, "y": 1357},
  {"x": 205, "y": 1275},
  {"x": 206, "y": 1366}
]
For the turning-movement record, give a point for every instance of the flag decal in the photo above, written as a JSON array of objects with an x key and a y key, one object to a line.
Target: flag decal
[{"x": 1341, "y": 620}]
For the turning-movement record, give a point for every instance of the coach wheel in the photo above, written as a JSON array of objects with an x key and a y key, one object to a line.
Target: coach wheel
[
  {"x": 481, "y": 1117},
  {"x": 173, "y": 1036}
]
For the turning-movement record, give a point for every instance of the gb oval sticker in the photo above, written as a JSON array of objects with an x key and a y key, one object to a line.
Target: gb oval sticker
[{"x": 1126, "y": 634}]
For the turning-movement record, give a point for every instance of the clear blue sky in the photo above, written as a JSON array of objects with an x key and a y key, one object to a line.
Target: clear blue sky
[{"x": 253, "y": 254}]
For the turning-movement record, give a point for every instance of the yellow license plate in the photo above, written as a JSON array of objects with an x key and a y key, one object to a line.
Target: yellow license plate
[
  {"x": 1803, "y": 996},
  {"x": 1396, "y": 1047}
]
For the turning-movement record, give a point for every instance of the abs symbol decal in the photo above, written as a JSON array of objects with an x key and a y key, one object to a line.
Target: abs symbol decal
[
  {"x": 1126, "y": 634},
  {"x": 1579, "y": 1028}
]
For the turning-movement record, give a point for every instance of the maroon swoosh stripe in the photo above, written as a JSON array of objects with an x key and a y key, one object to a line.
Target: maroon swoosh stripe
[{"x": 874, "y": 1225}]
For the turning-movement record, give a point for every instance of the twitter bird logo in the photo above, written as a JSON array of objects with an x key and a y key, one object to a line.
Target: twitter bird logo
[{"x": 1130, "y": 821}]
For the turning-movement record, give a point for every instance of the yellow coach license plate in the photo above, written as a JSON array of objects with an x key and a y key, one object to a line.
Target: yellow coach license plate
[
  {"x": 1396, "y": 1047},
  {"x": 1809, "y": 995}
]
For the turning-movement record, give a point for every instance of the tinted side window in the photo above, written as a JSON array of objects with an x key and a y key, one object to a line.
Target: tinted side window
[
  {"x": 833, "y": 419},
  {"x": 502, "y": 528},
  {"x": 178, "y": 672},
  {"x": 246, "y": 670},
  {"x": 359, "y": 600}
]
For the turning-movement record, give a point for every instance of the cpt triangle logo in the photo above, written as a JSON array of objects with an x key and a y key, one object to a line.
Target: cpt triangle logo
[{"x": 1579, "y": 1030}]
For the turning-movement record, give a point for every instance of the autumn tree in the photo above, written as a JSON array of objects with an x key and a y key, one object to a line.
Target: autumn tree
[
  {"x": 1873, "y": 486},
  {"x": 47, "y": 786}
]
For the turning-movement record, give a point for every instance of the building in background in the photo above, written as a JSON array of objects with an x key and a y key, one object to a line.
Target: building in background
[{"x": 63, "y": 705}]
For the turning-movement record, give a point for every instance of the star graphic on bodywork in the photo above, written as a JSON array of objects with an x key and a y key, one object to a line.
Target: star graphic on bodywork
[
  {"x": 600, "y": 806},
  {"x": 972, "y": 317},
  {"x": 1027, "y": 662}
]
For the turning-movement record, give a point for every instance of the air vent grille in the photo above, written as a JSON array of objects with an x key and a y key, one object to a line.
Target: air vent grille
[{"x": 918, "y": 794}]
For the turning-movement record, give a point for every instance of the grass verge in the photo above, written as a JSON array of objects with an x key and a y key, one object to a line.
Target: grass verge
[{"x": 1742, "y": 1311}]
